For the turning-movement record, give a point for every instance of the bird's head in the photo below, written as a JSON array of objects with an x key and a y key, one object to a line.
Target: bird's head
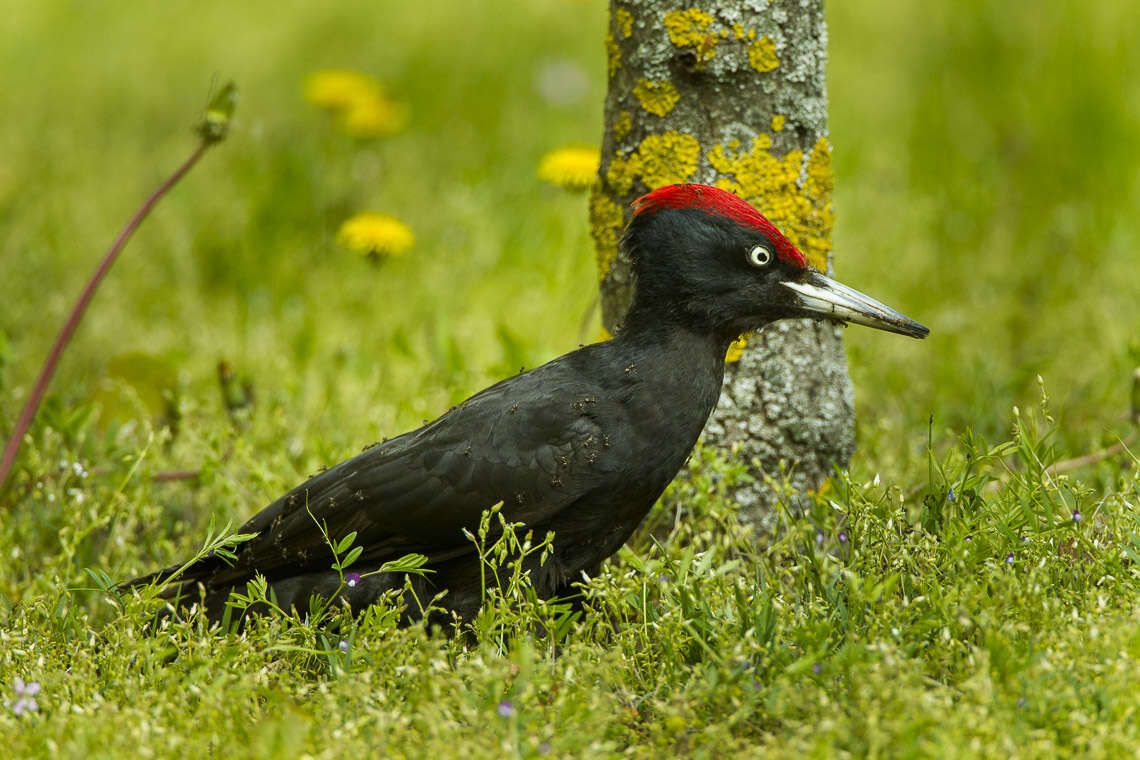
[{"x": 704, "y": 257}]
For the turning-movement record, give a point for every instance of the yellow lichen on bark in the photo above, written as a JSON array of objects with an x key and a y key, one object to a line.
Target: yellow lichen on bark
[
  {"x": 795, "y": 195},
  {"x": 613, "y": 54},
  {"x": 624, "y": 21},
  {"x": 778, "y": 122},
  {"x": 664, "y": 159},
  {"x": 736, "y": 350},
  {"x": 622, "y": 172},
  {"x": 668, "y": 159},
  {"x": 688, "y": 28},
  {"x": 762, "y": 55},
  {"x": 818, "y": 187},
  {"x": 622, "y": 124},
  {"x": 605, "y": 227},
  {"x": 656, "y": 97}
]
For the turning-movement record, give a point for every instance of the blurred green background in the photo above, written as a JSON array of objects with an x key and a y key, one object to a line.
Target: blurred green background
[{"x": 986, "y": 160}]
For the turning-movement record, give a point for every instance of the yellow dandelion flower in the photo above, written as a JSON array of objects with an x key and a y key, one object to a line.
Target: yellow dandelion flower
[
  {"x": 735, "y": 350},
  {"x": 573, "y": 167},
  {"x": 358, "y": 101},
  {"x": 336, "y": 89},
  {"x": 376, "y": 235},
  {"x": 374, "y": 118}
]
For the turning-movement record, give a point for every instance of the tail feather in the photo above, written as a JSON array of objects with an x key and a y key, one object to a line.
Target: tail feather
[
  {"x": 174, "y": 577},
  {"x": 158, "y": 576}
]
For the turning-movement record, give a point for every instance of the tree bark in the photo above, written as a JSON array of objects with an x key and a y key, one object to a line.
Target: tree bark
[{"x": 733, "y": 93}]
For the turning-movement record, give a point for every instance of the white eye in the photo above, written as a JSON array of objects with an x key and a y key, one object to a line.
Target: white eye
[{"x": 759, "y": 256}]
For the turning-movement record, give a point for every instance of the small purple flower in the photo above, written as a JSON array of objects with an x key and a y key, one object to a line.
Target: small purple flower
[
  {"x": 1025, "y": 539},
  {"x": 1021, "y": 702},
  {"x": 1076, "y": 516},
  {"x": 970, "y": 537},
  {"x": 950, "y": 495},
  {"x": 842, "y": 536},
  {"x": 544, "y": 748},
  {"x": 1009, "y": 558},
  {"x": 817, "y": 668},
  {"x": 210, "y": 553},
  {"x": 756, "y": 685},
  {"x": 352, "y": 579},
  {"x": 25, "y": 694},
  {"x": 506, "y": 709},
  {"x": 344, "y": 646}
]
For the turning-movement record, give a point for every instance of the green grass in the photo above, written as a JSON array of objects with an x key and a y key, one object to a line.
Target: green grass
[{"x": 940, "y": 599}]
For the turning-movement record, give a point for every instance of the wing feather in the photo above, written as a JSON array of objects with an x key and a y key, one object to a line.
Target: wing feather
[{"x": 530, "y": 442}]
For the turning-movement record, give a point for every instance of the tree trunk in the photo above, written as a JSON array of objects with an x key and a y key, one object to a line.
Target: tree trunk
[{"x": 733, "y": 94}]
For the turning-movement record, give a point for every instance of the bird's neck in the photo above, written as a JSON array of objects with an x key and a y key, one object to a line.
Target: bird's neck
[
  {"x": 666, "y": 318},
  {"x": 650, "y": 324},
  {"x": 684, "y": 363}
]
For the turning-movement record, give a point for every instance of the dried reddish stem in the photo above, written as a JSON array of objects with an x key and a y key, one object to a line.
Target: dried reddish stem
[
  {"x": 73, "y": 319},
  {"x": 1075, "y": 463}
]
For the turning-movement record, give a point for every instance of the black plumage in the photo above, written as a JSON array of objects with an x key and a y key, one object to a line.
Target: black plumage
[{"x": 581, "y": 446}]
